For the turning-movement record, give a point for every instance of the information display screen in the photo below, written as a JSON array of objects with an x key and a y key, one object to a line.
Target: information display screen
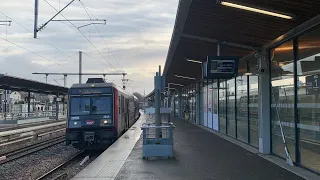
[
  {"x": 225, "y": 66},
  {"x": 220, "y": 67}
]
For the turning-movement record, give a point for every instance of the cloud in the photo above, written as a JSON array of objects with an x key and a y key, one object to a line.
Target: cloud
[{"x": 136, "y": 38}]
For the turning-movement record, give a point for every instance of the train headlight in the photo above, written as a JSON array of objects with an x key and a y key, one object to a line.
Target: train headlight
[
  {"x": 104, "y": 122},
  {"x": 74, "y": 124}
]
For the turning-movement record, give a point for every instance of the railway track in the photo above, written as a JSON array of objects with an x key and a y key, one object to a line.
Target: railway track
[
  {"x": 19, "y": 153},
  {"x": 60, "y": 166}
]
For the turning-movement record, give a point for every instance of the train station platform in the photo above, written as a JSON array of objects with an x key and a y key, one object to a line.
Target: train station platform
[{"x": 199, "y": 154}]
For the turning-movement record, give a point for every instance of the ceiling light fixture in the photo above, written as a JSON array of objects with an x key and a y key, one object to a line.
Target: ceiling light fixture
[
  {"x": 255, "y": 10},
  {"x": 184, "y": 77},
  {"x": 194, "y": 61},
  {"x": 175, "y": 84},
  {"x": 248, "y": 74}
]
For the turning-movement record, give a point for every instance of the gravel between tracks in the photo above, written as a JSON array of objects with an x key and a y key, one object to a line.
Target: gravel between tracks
[
  {"x": 35, "y": 165},
  {"x": 73, "y": 168}
]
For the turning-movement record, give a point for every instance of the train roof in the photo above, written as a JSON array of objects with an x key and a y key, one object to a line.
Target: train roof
[
  {"x": 89, "y": 85},
  {"x": 102, "y": 85}
]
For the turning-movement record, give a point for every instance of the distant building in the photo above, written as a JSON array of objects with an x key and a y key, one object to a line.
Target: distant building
[{"x": 15, "y": 97}]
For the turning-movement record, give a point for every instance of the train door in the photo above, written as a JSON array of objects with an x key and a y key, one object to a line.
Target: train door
[{"x": 127, "y": 113}]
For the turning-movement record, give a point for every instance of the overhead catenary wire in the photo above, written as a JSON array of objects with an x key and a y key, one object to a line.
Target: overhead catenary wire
[
  {"x": 109, "y": 64},
  {"x": 111, "y": 52},
  {"x": 105, "y": 42},
  {"x": 90, "y": 57},
  {"x": 16, "y": 22},
  {"x": 56, "y": 81},
  {"x": 31, "y": 51}
]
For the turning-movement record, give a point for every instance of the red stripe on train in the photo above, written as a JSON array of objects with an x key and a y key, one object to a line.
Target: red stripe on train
[{"x": 116, "y": 108}]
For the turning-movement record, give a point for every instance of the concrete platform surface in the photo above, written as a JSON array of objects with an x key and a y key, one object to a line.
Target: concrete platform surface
[{"x": 201, "y": 155}]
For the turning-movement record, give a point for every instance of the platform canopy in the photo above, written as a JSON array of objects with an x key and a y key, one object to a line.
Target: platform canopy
[
  {"x": 202, "y": 24},
  {"x": 21, "y": 84}
]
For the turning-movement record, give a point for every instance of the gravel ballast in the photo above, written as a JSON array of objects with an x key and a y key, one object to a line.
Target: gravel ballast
[{"x": 35, "y": 165}]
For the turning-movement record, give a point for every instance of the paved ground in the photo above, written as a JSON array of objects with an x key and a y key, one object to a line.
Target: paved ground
[{"x": 201, "y": 155}]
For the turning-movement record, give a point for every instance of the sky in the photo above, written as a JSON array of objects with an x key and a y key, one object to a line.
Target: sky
[{"x": 135, "y": 39}]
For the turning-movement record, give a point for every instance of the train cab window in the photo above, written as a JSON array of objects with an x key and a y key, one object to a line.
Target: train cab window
[
  {"x": 102, "y": 105},
  {"x": 80, "y": 106}
]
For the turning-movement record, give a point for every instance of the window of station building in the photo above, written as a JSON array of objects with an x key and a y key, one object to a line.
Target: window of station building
[
  {"x": 253, "y": 102},
  {"x": 190, "y": 102},
  {"x": 193, "y": 101},
  {"x": 308, "y": 72},
  {"x": 201, "y": 97},
  {"x": 242, "y": 108},
  {"x": 282, "y": 99},
  {"x": 205, "y": 104},
  {"x": 214, "y": 106},
  {"x": 209, "y": 107},
  {"x": 231, "y": 109},
  {"x": 184, "y": 101},
  {"x": 222, "y": 106},
  {"x": 176, "y": 105}
]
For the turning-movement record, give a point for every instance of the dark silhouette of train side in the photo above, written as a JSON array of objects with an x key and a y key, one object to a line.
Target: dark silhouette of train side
[{"x": 99, "y": 113}]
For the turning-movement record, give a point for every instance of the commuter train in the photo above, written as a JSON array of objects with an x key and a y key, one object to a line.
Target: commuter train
[{"x": 98, "y": 113}]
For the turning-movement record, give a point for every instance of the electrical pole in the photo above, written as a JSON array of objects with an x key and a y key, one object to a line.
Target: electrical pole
[
  {"x": 36, "y": 9},
  {"x": 80, "y": 67},
  {"x": 5, "y": 105},
  {"x": 47, "y": 77},
  {"x": 144, "y": 98},
  {"x": 65, "y": 80}
]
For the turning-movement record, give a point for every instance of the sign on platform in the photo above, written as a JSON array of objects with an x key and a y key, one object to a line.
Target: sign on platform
[
  {"x": 150, "y": 110},
  {"x": 165, "y": 110},
  {"x": 220, "y": 67},
  {"x": 313, "y": 84}
]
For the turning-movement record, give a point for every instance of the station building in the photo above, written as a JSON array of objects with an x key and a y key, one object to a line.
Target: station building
[{"x": 278, "y": 80}]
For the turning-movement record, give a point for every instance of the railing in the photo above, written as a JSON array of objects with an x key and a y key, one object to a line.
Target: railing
[{"x": 32, "y": 115}]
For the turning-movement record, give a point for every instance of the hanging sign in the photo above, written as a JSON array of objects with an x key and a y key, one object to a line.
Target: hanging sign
[
  {"x": 313, "y": 84},
  {"x": 220, "y": 67}
]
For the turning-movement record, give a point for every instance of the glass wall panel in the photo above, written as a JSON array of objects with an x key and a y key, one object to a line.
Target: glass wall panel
[
  {"x": 222, "y": 107},
  {"x": 190, "y": 101},
  {"x": 242, "y": 108},
  {"x": 253, "y": 110},
  {"x": 308, "y": 98},
  {"x": 201, "y": 103},
  {"x": 176, "y": 105},
  {"x": 184, "y": 101},
  {"x": 282, "y": 96},
  {"x": 253, "y": 102},
  {"x": 215, "y": 118},
  {"x": 194, "y": 103},
  {"x": 205, "y": 105},
  {"x": 210, "y": 97},
  {"x": 231, "y": 121}
]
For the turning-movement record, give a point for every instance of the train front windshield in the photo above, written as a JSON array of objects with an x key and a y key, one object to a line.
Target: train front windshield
[{"x": 93, "y": 105}]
